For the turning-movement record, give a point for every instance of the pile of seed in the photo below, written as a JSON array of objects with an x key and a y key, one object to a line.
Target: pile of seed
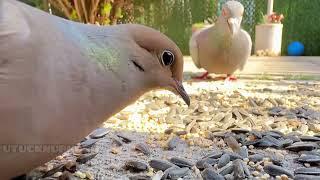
[
  {"x": 247, "y": 154},
  {"x": 252, "y": 129},
  {"x": 218, "y": 106}
]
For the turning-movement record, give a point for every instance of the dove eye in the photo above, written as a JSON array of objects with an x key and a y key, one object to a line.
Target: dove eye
[{"x": 167, "y": 58}]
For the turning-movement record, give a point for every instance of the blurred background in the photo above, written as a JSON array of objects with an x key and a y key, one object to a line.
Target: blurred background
[{"x": 176, "y": 17}]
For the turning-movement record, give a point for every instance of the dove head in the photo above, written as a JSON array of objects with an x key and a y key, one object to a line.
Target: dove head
[
  {"x": 158, "y": 59},
  {"x": 232, "y": 12}
]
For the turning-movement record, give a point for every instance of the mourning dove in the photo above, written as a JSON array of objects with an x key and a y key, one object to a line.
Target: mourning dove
[
  {"x": 59, "y": 80},
  {"x": 224, "y": 47}
]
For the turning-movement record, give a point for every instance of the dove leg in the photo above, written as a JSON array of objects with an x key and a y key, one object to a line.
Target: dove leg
[
  {"x": 231, "y": 78},
  {"x": 202, "y": 77}
]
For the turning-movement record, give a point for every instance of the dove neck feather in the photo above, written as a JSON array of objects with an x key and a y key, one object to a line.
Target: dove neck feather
[
  {"x": 221, "y": 33},
  {"x": 116, "y": 83}
]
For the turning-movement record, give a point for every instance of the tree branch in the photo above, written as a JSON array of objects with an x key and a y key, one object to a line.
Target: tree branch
[
  {"x": 67, "y": 4},
  {"x": 117, "y": 4},
  {"x": 93, "y": 13},
  {"x": 45, "y": 5},
  {"x": 60, "y": 5},
  {"x": 78, "y": 9},
  {"x": 85, "y": 11}
]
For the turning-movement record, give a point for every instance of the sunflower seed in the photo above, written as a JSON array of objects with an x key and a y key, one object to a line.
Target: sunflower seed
[
  {"x": 140, "y": 177},
  {"x": 224, "y": 160},
  {"x": 98, "y": 133},
  {"x": 161, "y": 164},
  {"x": 181, "y": 162},
  {"x": 144, "y": 148},
  {"x": 309, "y": 159},
  {"x": 175, "y": 173},
  {"x": 124, "y": 138},
  {"x": 305, "y": 177},
  {"x": 302, "y": 146},
  {"x": 209, "y": 174},
  {"x": 277, "y": 170},
  {"x": 256, "y": 158},
  {"x": 308, "y": 171},
  {"x": 135, "y": 166},
  {"x": 227, "y": 169},
  {"x": 310, "y": 138},
  {"x": 85, "y": 157},
  {"x": 88, "y": 143},
  {"x": 201, "y": 164},
  {"x": 238, "y": 171}
]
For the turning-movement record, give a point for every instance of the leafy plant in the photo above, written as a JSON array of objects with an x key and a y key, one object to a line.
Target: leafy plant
[
  {"x": 261, "y": 18},
  {"x": 198, "y": 25},
  {"x": 275, "y": 18},
  {"x": 41, "y": 4},
  {"x": 102, "y": 12}
]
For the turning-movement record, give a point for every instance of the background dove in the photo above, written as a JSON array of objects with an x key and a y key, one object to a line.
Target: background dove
[
  {"x": 224, "y": 47},
  {"x": 59, "y": 80}
]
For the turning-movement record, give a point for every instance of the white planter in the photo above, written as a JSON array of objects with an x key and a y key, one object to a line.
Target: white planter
[{"x": 269, "y": 38}]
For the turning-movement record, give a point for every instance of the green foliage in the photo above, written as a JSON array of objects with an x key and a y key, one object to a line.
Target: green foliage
[
  {"x": 300, "y": 23},
  {"x": 106, "y": 9},
  {"x": 119, "y": 13},
  {"x": 175, "y": 19},
  {"x": 35, "y": 3},
  {"x": 261, "y": 18},
  {"x": 198, "y": 25},
  {"x": 74, "y": 15}
]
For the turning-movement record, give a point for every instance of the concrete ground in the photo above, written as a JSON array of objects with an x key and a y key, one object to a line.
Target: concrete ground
[{"x": 283, "y": 65}]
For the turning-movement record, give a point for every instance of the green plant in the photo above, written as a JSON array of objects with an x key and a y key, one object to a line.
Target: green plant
[
  {"x": 102, "y": 12},
  {"x": 275, "y": 18},
  {"x": 40, "y": 4},
  {"x": 198, "y": 25},
  {"x": 261, "y": 18},
  {"x": 302, "y": 77}
]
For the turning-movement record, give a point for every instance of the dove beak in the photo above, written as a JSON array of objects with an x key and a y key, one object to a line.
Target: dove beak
[
  {"x": 234, "y": 25},
  {"x": 178, "y": 87}
]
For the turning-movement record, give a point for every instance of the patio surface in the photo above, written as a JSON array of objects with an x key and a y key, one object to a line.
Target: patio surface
[{"x": 283, "y": 65}]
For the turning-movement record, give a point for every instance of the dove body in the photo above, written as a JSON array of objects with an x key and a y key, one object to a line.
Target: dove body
[{"x": 59, "y": 80}]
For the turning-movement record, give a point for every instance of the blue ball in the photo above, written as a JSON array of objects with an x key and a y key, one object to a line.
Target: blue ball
[{"x": 295, "y": 49}]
